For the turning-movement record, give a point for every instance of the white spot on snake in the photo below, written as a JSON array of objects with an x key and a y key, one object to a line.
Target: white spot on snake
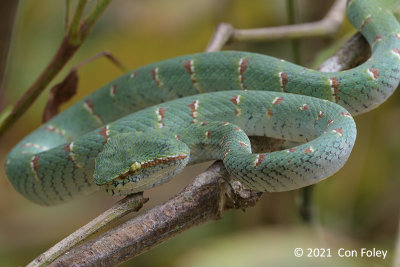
[
  {"x": 113, "y": 90},
  {"x": 160, "y": 116},
  {"x": 378, "y": 38},
  {"x": 207, "y": 134},
  {"x": 283, "y": 80},
  {"x": 364, "y": 23},
  {"x": 320, "y": 115},
  {"x": 339, "y": 131},
  {"x": 226, "y": 153},
  {"x": 189, "y": 66},
  {"x": 277, "y": 100},
  {"x": 374, "y": 73},
  {"x": 235, "y": 100},
  {"x": 243, "y": 144},
  {"x": 259, "y": 159},
  {"x": 396, "y": 52},
  {"x": 133, "y": 75},
  {"x": 194, "y": 106},
  {"x": 397, "y": 35},
  {"x": 304, "y": 107},
  {"x": 156, "y": 77},
  {"x": 35, "y": 166},
  {"x": 334, "y": 83},
  {"x": 348, "y": 115},
  {"x": 309, "y": 149},
  {"x": 291, "y": 150},
  {"x": 71, "y": 155}
]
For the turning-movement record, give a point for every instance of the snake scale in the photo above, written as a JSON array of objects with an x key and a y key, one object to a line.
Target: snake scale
[{"x": 107, "y": 140}]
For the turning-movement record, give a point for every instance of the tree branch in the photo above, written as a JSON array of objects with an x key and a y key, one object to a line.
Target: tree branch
[{"x": 329, "y": 25}]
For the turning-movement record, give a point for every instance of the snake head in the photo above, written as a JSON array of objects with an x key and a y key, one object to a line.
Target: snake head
[{"x": 134, "y": 162}]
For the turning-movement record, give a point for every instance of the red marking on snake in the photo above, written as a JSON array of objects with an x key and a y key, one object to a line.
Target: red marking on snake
[
  {"x": 283, "y": 78},
  {"x": 376, "y": 39},
  {"x": 225, "y": 123},
  {"x": 160, "y": 116},
  {"x": 334, "y": 83},
  {"x": 277, "y": 100},
  {"x": 204, "y": 123},
  {"x": 365, "y": 22},
  {"x": 113, "y": 90},
  {"x": 397, "y": 36},
  {"x": 243, "y": 64},
  {"x": 35, "y": 166},
  {"x": 162, "y": 161},
  {"x": 235, "y": 100},
  {"x": 338, "y": 131},
  {"x": 226, "y": 153},
  {"x": 320, "y": 115},
  {"x": 222, "y": 140},
  {"x": 243, "y": 144},
  {"x": 207, "y": 134},
  {"x": 88, "y": 105},
  {"x": 304, "y": 107},
  {"x": 348, "y": 115},
  {"x": 374, "y": 73},
  {"x": 269, "y": 113},
  {"x": 259, "y": 159},
  {"x": 54, "y": 129},
  {"x": 237, "y": 128},
  {"x": 293, "y": 149},
  {"x": 309, "y": 150},
  {"x": 133, "y": 75},
  {"x": 396, "y": 52},
  {"x": 193, "y": 107},
  {"x": 189, "y": 66},
  {"x": 178, "y": 137},
  {"x": 67, "y": 147},
  {"x": 154, "y": 74},
  {"x": 35, "y": 146},
  {"x": 330, "y": 122},
  {"x": 105, "y": 131}
]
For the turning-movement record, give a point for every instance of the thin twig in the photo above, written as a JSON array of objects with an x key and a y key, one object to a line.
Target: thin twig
[
  {"x": 329, "y": 25},
  {"x": 8, "y": 11},
  {"x": 67, "y": 49},
  {"x": 117, "y": 211}
]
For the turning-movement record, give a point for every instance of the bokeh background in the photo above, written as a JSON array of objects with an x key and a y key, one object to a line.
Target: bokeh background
[{"x": 358, "y": 207}]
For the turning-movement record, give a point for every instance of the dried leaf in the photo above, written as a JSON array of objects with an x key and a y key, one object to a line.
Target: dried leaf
[{"x": 60, "y": 93}]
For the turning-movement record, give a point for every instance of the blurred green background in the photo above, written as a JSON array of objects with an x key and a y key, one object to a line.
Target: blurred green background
[{"x": 357, "y": 207}]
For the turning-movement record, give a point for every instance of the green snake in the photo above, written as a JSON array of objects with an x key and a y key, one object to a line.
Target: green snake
[{"x": 107, "y": 140}]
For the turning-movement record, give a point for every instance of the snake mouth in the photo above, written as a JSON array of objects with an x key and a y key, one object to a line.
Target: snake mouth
[{"x": 145, "y": 175}]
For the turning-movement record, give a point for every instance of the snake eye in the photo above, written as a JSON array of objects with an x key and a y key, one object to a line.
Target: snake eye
[{"x": 135, "y": 168}]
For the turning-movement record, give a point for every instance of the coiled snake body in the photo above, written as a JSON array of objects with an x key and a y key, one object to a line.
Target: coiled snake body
[{"x": 90, "y": 146}]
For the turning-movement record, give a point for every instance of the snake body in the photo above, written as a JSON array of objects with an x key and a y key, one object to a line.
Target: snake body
[{"x": 104, "y": 141}]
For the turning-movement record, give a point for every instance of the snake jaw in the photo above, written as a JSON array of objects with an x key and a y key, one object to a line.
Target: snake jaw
[{"x": 143, "y": 175}]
